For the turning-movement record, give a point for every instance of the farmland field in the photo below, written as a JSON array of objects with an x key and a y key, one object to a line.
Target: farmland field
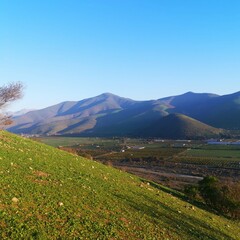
[
  {"x": 213, "y": 156},
  {"x": 217, "y": 152},
  {"x": 172, "y": 163}
]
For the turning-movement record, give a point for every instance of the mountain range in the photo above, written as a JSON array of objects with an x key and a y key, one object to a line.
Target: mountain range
[{"x": 190, "y": 115}]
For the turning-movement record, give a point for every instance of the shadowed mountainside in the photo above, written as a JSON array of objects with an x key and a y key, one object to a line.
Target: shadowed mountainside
[
  {"x": 179, "y": 126},
  {"x": 111, "y": 115}
]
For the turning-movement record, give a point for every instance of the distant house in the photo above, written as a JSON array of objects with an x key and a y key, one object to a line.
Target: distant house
[
  {"x": 178, "y": 145},
  {"x": 138, "y": 147},
  {"x": 159, "y": 140}
]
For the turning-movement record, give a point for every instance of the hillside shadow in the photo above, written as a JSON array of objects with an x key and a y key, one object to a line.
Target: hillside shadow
[
  {"x": 176, "y": 221},
  {"x": 180, "y": 196},
  {"x": 21, "y": 128},
  {"x": 126, "y": 122}
]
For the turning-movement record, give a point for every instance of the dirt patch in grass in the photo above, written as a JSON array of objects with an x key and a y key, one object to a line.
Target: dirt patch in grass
[{"x": 40, "y": 174}]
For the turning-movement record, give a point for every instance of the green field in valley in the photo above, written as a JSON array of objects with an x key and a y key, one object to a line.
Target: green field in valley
[
  {"x": 221, "y": 153},
  {"x": 194, "y": 152}
]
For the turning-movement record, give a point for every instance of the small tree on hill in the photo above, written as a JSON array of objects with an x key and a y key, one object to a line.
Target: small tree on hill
[
  {"x": 9, "y": 93},
  {"x": 224, "y": 197}
]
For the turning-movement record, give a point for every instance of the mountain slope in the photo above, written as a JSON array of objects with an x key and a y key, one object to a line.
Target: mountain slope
[
  {"x": 50, "y": 194},
  {"x": 189, "y": 100},
  {"x": 104, "y": 113},
  {"x": 218, "y": 111},
  {"x": 223, "y": 111},
  {"x": 179, "y": 126},
  {"x": 64, "y": 113},
  {"x": 111, "y": 115}
]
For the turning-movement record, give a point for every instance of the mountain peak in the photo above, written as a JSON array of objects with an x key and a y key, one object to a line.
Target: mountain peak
[
  {"x": 189, "y": 93},
  {"x": 108, "y": 94}
]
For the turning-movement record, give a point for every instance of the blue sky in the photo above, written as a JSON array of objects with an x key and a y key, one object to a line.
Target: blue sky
[{"x": 141, "y": 49}]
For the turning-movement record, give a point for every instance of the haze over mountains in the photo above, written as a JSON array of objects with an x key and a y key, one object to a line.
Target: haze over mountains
[
  {"x": 19, "y": 113},
  {"x": 182, "y": 116}
]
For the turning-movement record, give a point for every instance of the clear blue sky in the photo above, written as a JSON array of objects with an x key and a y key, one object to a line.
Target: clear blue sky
[{"x": 141, "y": 49}]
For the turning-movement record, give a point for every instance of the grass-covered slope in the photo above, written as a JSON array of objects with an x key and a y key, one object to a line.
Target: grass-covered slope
[{"x": 49, "y": 194}]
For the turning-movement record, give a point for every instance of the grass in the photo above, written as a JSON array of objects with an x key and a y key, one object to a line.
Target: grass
[
  {"x": 50, "y": 194},
  {"x": 68, "y": 141}
]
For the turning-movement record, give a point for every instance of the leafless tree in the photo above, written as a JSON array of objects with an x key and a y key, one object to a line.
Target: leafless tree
[{"x": 9, "y": 93}]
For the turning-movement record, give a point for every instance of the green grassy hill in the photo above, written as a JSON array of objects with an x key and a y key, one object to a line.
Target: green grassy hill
[{"x": 49, "y": 194}]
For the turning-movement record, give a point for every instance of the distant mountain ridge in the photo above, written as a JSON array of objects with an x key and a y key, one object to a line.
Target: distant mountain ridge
[
  {"x": 20, "y": 112},
  {"x": 111, "y": 115}
]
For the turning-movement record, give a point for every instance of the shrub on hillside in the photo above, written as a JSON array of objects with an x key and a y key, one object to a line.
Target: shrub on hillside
[
  {"x": 221, "y": 196},
  {"x": 191, "y": 191}
]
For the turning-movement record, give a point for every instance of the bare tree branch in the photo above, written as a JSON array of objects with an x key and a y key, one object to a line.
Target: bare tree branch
[
  {"x": 8, "y": 94},
  {"x": 5, "y": 120}
]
